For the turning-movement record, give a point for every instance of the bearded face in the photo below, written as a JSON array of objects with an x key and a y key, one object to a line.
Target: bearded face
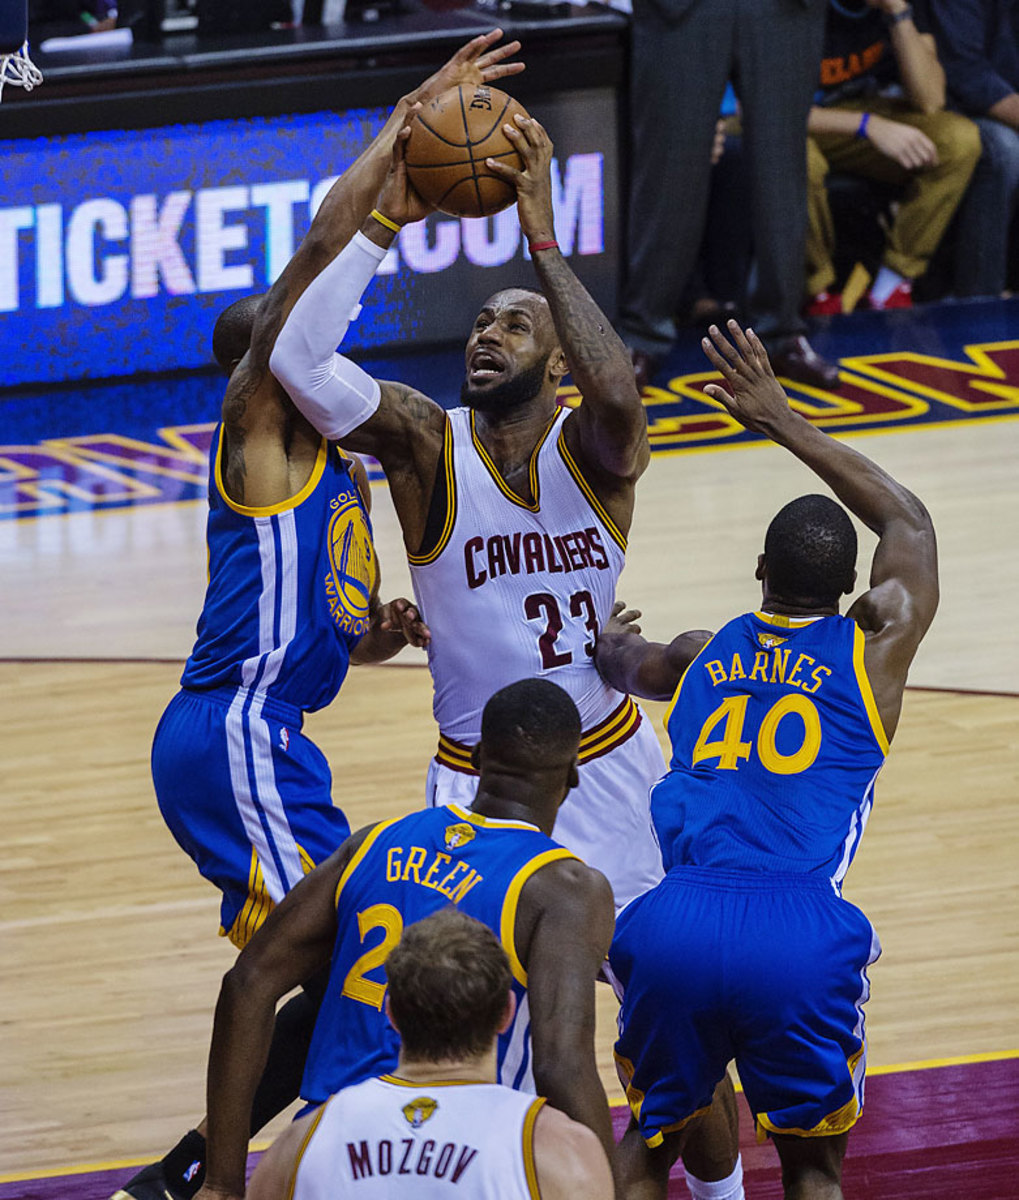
[{"x": 508, "y": 352}]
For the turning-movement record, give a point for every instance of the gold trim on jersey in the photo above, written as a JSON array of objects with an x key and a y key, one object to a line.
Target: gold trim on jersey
[
  {"x": 679, "y": 686},
  {"x": 841, "y": 1120},
  {"x": 254, "y": 910},
  {"x": 309, "y": 1134},
  {"x": 784, "y": 622},
  {"x": 508, "y": 920},
  {"x": 258, "y": 904},
  {"x": 619, "y": 726},
  {"x": 592, "y": 499},
  {"x": 635, "y": 1100},
  {"x": 530, "y": 1169},
  {"x": 656, "y": 1139},
  {"x": 866, "y": 692},
  {"x": 359, "y": 854},
  {"x": 434, "y": 1083},
  {"x": 270, "y": 510},
  {"x": 455, "y": 755},
  {"x": 612, "y": 731},
  {"x": 466, "y": 814},
  {"x": 421, "y": 560},
  {"x": 532, "y": 469}
]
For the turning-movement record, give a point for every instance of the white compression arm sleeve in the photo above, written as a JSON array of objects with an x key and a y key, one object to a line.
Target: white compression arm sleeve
[{"x": 332, "y": 392}]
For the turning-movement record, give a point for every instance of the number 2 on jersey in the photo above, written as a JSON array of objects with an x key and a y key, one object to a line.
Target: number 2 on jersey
[
  {"x": 356, "y": 986},
  {"x": 730, "y": 749},
  {"x": 543, "y": 606}
]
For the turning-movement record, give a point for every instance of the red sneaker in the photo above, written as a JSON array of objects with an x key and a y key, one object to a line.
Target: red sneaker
[
  {"x": 900, "y": 297},
  {"x": 824, "y": 304}
]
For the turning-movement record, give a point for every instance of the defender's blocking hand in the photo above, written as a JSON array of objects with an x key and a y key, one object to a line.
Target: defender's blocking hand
[
  {"x": 623, "y": 619},
  {"x": 754, "y": 396},
  {"x": 402, "y": 616},
  {"x": 471, "y": 64}
]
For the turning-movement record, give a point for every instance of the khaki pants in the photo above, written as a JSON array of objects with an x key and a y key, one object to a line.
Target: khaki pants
[{"x": 928, "y": 202}]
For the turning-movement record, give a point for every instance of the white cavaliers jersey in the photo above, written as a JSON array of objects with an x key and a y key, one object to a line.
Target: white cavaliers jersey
[
  {"x": 389, "y": 1137},
  {"x": 515, "y": 590}
]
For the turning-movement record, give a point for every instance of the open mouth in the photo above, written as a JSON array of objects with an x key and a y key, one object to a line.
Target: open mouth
[{"x": 483, "y": 366}]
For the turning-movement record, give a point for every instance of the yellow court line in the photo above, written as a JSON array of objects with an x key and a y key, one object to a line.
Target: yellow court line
[
  {"x": 903, "y": 427},
  {"x": 893, "y": 1068}
]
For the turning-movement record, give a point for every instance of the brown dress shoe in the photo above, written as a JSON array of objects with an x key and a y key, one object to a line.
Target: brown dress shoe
[
  {"x": 796, "y": 359},
  {"x": 644, "y": 367}
]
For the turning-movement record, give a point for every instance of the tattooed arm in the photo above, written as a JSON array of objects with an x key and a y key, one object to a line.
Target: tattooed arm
[
  {"x": 269, "y": 447},
  {"x": 610, "y": 424}
]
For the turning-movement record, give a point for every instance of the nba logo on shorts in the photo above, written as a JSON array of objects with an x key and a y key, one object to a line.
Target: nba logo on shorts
[{"x": 284, "y": 738}]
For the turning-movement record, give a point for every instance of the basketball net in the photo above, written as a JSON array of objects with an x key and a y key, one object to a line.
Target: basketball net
[{"x": 19, "y": 70}]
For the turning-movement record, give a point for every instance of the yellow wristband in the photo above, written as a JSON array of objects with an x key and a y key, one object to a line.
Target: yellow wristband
[{"x": 385, "y": 221}]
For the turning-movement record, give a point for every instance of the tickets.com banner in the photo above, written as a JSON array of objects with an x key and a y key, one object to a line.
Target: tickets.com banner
[{"x": 119, "y": 249}]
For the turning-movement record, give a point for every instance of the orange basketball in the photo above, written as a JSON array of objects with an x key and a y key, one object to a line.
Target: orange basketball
[{"x": 448, "y": 144}]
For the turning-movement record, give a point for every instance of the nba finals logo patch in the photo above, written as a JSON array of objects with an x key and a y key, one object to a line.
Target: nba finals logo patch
[
  {"x": 769, "y": 640},
  {"x": 352, "y": 567},
  {"x": 420, "y": 1110},
  {"x": 459, "y": 835}
]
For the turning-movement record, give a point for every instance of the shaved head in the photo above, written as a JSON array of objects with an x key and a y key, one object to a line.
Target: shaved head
[
  {"x": 810, "y": 551},
  {"x": 231, "y": 335}
]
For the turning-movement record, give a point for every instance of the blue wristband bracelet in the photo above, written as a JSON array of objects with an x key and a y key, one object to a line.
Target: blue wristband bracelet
[{"x": 861, "y": 129}]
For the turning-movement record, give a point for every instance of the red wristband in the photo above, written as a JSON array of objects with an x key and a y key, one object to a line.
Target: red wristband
[{"x": 534, "y": 247}]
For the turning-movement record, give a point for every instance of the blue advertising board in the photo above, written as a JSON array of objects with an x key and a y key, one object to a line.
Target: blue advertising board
[{"x": 119, "y": 248}]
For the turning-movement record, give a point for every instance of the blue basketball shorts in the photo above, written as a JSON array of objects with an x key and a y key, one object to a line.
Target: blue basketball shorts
[
  {"x": 769, "y": 970},
  {"x": 247, "y": 796}
]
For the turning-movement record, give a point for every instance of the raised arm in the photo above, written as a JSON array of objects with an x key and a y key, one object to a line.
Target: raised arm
[
  {"x": 353, "y": 196},
  {"x": 651, "y": 670},
  {"x": 610, "y": 423},
  {"x": 295, "y": 942},
  {"x": 564, "y": 927},
  {"x": 269, "y": 447},
  {"x": 903, "y": 597}
]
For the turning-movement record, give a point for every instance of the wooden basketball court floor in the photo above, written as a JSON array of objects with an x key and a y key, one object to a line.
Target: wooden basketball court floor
[{"x": 109, "y": 960}]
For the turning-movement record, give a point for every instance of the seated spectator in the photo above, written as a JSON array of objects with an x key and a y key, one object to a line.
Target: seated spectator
[
  {"x": 978, "y": 43},
  {"x": 880, "y": 114}
]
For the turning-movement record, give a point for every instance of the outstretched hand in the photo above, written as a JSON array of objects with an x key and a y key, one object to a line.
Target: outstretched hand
[
  {"x": 472, "y": 63},
  {"x": 534, "y": 183},
  {"x": 754, "y": 396},
  {"x": 623, "y": 619},
  {"x": 401, "y": 616}
]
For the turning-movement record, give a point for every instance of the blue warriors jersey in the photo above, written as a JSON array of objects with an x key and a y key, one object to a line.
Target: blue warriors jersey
[
  {"x": 402, "y": 872},
  {"x": 776, "y": 744},
  {"x": 289, "y": 588}
]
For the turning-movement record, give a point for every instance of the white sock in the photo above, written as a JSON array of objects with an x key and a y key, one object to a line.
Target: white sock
[
  {"x": 886, "y": 283},
  {"x": 729, "y": 1188}
]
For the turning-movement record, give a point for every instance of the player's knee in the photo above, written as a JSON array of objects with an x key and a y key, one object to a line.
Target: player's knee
[
  {"x": 810, "y": 1158},
  {"x": 958, "y": 141}
]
